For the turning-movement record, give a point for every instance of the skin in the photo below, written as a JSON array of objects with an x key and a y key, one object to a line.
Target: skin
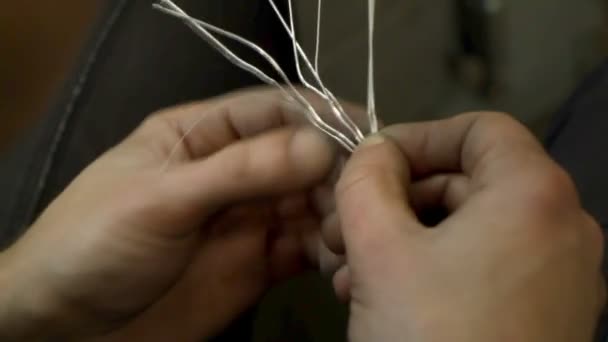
[
  {"x": 132, "y": 244},
  {"x": 136, "y": 250},
  {"x": 516, "y": 258}
]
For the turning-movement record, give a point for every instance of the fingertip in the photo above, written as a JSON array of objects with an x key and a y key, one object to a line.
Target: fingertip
[{"x": 342, "y": 284}]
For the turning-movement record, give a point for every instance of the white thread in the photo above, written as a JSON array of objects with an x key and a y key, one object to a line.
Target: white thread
[
  {"x": 318, "y": 33},
  {"x": 354, "y": 134},
  {"x": 201, "y": 28},
  {"x": 371, "y": 92},
  {"x": 324, "y": 92}
]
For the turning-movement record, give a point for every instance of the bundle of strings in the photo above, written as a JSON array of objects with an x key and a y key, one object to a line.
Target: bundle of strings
[{"x": 347, "y": 133}]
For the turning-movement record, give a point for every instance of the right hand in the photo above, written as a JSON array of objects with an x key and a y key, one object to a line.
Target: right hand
[{"x": 516, "y": 259}]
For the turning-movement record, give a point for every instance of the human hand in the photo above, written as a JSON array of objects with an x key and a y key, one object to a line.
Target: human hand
[
  {"x": 139, "y": 251},
  {"x": 516, "y": 259}
]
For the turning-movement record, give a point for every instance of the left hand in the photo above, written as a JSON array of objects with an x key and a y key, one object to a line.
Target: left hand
[{"x": 144, "y": 253}]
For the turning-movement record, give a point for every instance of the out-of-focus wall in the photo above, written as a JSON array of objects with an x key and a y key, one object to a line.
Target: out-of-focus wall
[
  {"x": 413, "y": 42},
  {"x": 538, "y": 51}
]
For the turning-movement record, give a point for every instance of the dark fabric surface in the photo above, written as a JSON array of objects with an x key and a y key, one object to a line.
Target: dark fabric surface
[{"x": 577, "y": 140}]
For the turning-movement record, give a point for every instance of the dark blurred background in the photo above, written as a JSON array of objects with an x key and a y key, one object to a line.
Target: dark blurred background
[
  {"x": 434, "y": 58},
  {"x": 439, "y": 57},
  {"x": 39, "y": 41}
]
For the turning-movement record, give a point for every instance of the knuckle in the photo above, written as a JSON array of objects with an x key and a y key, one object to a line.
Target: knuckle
[
  {"x": 160, "y": 133},
  {"x": 163, "y": 125},
  {"x": 558, "y": 178},
  {"x": 158, "y": 126},
  {"x": 561, "y": 238},
  {"x": 552, "y": 191},
  {"x": 155, "y": 123},
  {"x": 277, "y": 159},
  {"x": 553, "y": 215},
  {"x": 242, "y": 162}
]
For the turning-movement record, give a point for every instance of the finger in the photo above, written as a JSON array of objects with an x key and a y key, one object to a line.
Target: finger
[
  {"x": 332, "y": 233},
  {"x": 196, "y": 130},
  {"x": 447, "y": 191},
  {"x": 277, "y": 163},
  {"x": 342, "y": 284},
  {"x": 484, "y": 146},
  {"x": 371, "y": 197}
]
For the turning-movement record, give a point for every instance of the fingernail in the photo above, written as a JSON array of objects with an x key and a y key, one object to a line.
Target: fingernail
[{"x": 375, "y": 139}]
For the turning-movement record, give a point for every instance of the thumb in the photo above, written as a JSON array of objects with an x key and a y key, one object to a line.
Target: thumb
[{"x": 372, "y": 198}]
